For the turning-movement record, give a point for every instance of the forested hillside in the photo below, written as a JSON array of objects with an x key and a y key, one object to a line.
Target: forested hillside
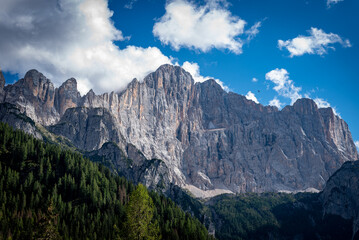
[
  {"x": 276, "y": 216},
  {"x": 50, "y": 193}
]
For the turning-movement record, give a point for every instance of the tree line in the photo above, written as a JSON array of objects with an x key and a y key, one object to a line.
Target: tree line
[{"x": 50, "y": 193}]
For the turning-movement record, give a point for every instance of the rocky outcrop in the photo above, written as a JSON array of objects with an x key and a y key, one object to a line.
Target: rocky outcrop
[
  {"x": 88, "y": 128},
  {"x": 11, "y": 115},
  {"x": 133, "y": 165},
  {"x": 211, "y": 141},
  {"x": 67, "y": 96},
  {"x": 341, "y": 194},
  {"x": 34, "y": 95}
]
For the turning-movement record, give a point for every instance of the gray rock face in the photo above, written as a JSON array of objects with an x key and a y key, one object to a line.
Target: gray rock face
[
  {"x": 36, "y": 97},
  {"x": 341, "y": 194},
  {"x": 88, "y": 128},
  {"x": 133, "y": 165},
  {"x": 11, "y": 115},
  {"x": 211, "y": 141},
  {"x": 67, "y": 96},
  {"x": 2, "y": 84}
]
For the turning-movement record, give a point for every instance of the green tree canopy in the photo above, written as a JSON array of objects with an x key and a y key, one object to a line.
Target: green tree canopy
[{"x": 140, "y": 209}]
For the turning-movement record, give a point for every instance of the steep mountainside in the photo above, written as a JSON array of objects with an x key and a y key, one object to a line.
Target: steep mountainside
[
  {"x": 341, "y": 194},
  {"x": 211, "y": 141},
  {"x": 11, "y": 115},
  {"x": 50, "y": 193}
]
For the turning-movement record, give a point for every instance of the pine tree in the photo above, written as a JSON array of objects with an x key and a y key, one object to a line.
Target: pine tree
[
  {"x": 48, "y": 225},
  {"x": 140, "y": 210}
]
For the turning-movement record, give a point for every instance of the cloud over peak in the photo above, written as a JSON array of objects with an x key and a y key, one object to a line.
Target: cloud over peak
[
  {"x": 283, "y": 85},
  {"x": 193, "y": 69},
  {"x": 286, "y": 88},
  {"x": 202, "y": 27},
  {"x": 68, "y": 38},
  {"x": 251, "y": 96},
  {"x": 318, "y": 42}
]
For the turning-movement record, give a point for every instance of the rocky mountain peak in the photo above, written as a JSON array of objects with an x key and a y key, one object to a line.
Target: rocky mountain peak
[
  {"x": 34, "y": 95},
  {"x": 36, "y": 78},
  {"x": 90, "y": 93},
  {"x": 70, "y": 83},
  {"x": 169, "y": 77},
  {"x": 211, "y": 88},
  {"x": 305, "y": 106},
  {"x": 67, "y": 96},
  {"x": 210, "y": 140}
]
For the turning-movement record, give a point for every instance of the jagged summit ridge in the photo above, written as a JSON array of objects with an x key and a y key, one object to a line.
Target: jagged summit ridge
[{"x": 211, "y": 141}]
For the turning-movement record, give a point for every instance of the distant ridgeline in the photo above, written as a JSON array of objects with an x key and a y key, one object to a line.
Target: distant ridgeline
[{"x": 50, "y": 193}]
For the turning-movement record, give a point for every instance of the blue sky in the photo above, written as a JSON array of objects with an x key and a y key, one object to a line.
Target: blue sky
[{"x": 330, "y": 72}]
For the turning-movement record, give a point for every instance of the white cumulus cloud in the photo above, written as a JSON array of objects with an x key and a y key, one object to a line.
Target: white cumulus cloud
[
  {"x": 285, "y": 88},
  {"x": 65, "y": 38},
  {"x": 332, "y": 2},
  {"x": 251, "y": 96},
  {"x": 201, "y": 27},
  {"x": 193, "y": 69},
  {"x": 254, "y": 79},
  {"x": 318, "y": 42},
  {"x": 283, "y": 85},
  {"x": 276, "y": 103}
]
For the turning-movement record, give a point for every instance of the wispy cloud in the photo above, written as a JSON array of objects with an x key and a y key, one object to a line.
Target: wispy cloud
[
  {"x": 212, "y": 25},
  {"x": 253, "y": 31},
  {"x": 332, "y": 2},
  {"x": 254, "y": 79},
  {"x": 318, "y": 42},
  {"x": 251, "y": 96},
  {"x": 130, "y": 3}
]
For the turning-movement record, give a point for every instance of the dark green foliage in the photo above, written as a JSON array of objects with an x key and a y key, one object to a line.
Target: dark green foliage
[
  {"x": 276, "y": 216},
  {"x": 176, "y": 224},
  {"x": 140, "y": 223},
  {"x": 50, "y": 193}
]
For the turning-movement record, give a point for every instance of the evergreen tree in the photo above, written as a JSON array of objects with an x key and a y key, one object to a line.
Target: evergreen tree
[{"x": 140, "y": 210}]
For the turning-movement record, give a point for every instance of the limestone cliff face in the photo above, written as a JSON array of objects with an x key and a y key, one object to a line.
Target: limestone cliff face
[
  {"x": 211, "y": 141},
  {"x": 341, "y": 194},
  {"x": 11, "y": 115},
  {"x": 88, "y": 128},
  {"x": 131, "y": 164},
  {"x": 67, "y": 96},
  {"x": 36, "y": 97}
]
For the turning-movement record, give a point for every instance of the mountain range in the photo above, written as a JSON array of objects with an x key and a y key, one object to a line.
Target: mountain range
[
  {"x": 169, "y": 129},
  {"x": 182, "y": 137}
]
